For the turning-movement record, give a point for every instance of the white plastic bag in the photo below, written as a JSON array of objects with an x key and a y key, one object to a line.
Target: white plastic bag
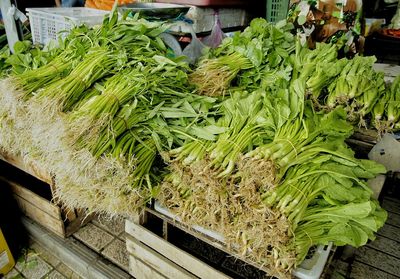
[
  {"x": 195, "y": 49},
  {"x": 217, "y": 35}
]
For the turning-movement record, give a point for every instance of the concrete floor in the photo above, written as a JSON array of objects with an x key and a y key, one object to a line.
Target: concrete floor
[
  {"x": 106, "y": 237},
  {"x": 38, "y": 263}
]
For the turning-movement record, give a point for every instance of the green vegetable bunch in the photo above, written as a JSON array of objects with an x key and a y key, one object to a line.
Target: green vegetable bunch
[
  {"x": 116, "y": 95},
  {"x": 245, "y": 59},
  {"x": 386, "y": 111},
  {"x": 265, "y": 165},
  {"x": 276, "y": 177}
]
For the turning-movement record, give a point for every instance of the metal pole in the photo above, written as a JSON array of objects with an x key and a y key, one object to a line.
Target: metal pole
[{"x": 10, "y": 24}]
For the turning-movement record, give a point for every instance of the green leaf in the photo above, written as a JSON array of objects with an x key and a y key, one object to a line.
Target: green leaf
[
  {"x": 347, "y": 234},
  {"x": 254, "y": 53},
  {"x": 373, "y": 166},
  {"x": 22, "y": 46},
  {"x": 350, "y": 210},
  {"x": 176, "y": 113},
  {"x": 162, "y": 60}
]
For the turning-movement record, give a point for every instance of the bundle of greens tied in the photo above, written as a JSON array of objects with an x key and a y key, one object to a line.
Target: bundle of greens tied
[
  {"x": 274, "y": 175},
  {"x": 109, "y": 101}
]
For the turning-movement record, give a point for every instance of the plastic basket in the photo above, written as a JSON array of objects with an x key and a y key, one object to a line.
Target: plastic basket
[
  {"x": 277, "y": 10},
  {"x": 46, "y": 23}
]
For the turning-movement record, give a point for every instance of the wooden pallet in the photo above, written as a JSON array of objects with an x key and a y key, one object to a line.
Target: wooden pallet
[{"x": 43, "y": 209}]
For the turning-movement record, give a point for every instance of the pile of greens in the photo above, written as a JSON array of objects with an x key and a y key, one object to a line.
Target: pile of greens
[
  {"x": 116, "y": 92},
  {"x": 258, "y": 56},
  {"x": 275, "y": 176},
  {"x": 253, "y": 153}
]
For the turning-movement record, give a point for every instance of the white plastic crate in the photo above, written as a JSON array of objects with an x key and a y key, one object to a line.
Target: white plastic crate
[
  {"x": 310, "y": 268},
  {"x": 46, "y": 23}
]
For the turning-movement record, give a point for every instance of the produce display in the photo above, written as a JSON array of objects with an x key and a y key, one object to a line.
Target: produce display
[
  {"x": 247, "y": 63},
  {"x": 279, "y": 178},
  {"x": 250, "y": 143}
]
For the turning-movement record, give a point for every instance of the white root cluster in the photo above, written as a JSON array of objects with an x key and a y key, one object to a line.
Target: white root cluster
[{"x": 39, "y": 132}]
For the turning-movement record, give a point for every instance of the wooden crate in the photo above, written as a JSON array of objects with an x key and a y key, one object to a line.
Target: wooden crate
[
  {"x": 151, "y": 256},
  {"x": 28, "y": 167},
  {"x": 362, "y": 141},
  {"x": 154, "y": 254},
  {"x": 25, "y": 179},
  {"x": 155, "y": 243}
]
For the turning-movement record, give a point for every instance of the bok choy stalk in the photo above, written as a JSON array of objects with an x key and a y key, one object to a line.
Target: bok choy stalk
[
  {"x": 352, "y": 84},
  {"x": 392, "y": 111},
  {"x": 215, "y": 75},
  {"x": 118, "y": 90},
  {"x": 372, "y": 94},
  {"x": 153, "y": 85},
  {"x": 324, "y": 67}
]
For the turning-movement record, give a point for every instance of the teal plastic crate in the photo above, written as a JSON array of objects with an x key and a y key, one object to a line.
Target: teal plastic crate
[{"x": 277, "y": 10}]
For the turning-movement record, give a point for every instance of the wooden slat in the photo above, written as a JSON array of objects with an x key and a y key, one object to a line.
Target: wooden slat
[
  {"x": 36, "y": 214},
  {"x": 35, "y": 199},
  {"x": 392, "y": 198},
  {"x": 391, "y": 206},
  {"x": 81, "y": 220},
  {"x": 390, "y": 232},
  {"x": 168, "y": 250},
  {"x": 156, "y": 261},
  {"x": 211, "y": 241},
  {"x": 140, "y": 270},
  {"x": 365, "y": 135},
  {"x": 140, "y": 217},
  {"x": 378, "y": 260},
  {"x": 69, "y": 214},
  {"x": 341, "y": 268},
  {"x": 360, "y": 146},
  {"x": 393, "y": 219},
  {"x": 386, "y": 245},
  {"x": 30, "y": 168},
  {"x": 363, "y": 271},
  {"x": 207, "y": 239}
]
